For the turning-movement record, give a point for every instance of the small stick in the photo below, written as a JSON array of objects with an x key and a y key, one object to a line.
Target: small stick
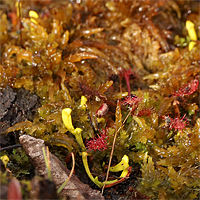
[
  {"x": 112, "y": 150},
  {"x": 11, "y": 147},
  {"x": 47, "y": 162},
  {"x": 70, "y": 175},
  {"x": 20, "y": 21}
]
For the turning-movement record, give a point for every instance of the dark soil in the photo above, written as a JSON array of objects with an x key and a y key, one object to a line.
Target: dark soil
[
  {"x": 15, "y": 106},
  {"x": 122, "y": 190}
]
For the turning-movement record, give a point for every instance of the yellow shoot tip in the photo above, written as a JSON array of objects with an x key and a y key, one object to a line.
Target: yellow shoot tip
[
  {"x": 191, "y": 45},
  {"x": 123, "y": 165},
  {"x": 67, "y": 119},
  {"x": 191, "y": 30},
  {"x": 5, "y": 160},
  {"x": 101, "y": 120},
  {"x": 33, "y": 14},
  {"x": 83, "y": 102},
  {"x": 18, "y": 6}
]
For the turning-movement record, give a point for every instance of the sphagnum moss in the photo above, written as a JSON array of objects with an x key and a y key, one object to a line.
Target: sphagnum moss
[{"x": 70, "y": 50}]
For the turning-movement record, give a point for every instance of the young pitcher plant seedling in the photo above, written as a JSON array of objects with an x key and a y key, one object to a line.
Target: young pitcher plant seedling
[{"x": 122, "y": 166}]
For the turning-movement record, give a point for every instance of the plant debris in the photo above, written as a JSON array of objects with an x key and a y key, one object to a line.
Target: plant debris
[{"x": 75, "y": 189}]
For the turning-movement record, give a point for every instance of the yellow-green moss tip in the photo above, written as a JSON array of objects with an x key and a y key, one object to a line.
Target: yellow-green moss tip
[
  {"x": 191, "y": 30},
  {"x": 83, "y": 102},
  {"x": 33, "y": 14},
  {"x": 5, "y": 160},
  {"x": 192, "y": 34}
]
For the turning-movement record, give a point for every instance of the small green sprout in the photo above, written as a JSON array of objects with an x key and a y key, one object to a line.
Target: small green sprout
[{"x": 47, "y": 162}]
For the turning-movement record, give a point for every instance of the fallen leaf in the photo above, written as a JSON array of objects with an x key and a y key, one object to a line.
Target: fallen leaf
[{"x": 74, "y": 188}]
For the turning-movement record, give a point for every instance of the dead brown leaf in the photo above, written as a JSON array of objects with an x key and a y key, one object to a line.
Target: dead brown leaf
[{"x": 74, "y": 188}]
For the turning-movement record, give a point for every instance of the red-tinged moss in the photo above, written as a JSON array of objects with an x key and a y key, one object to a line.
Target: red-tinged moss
[
  {"x": 178, "y": 124},
  {"x": 132, "y": 102},
  {"x": 188, "y": 89},
  {"x": 145, "y": 112}
]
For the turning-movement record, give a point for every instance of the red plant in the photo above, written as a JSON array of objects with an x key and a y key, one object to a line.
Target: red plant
[
  {"x": 103, "y": 110},
  {"x": 176, "y": 123},
  {"x": 98, "y": 143},
  {"x": 145, "y": 112},
  {"x": 187, "y": 89},
  {"x": 131, "y": 100},
  {"x": 126, "y": 74}
]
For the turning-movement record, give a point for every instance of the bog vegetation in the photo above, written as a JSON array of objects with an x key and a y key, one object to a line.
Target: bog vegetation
[{"x": 126, "y": 66}]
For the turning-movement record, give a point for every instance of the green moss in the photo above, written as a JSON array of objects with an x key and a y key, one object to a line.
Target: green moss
[{"x": 91, "y": 62}]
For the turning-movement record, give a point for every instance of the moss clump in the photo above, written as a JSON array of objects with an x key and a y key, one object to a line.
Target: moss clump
[{"x": 113, "y": 53}]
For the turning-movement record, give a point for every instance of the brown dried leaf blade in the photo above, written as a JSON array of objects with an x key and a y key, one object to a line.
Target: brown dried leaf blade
[{"x": 74, "y": 188}]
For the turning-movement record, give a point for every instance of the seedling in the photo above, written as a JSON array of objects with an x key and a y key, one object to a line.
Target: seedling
[{"x": 66, "y": 116}]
